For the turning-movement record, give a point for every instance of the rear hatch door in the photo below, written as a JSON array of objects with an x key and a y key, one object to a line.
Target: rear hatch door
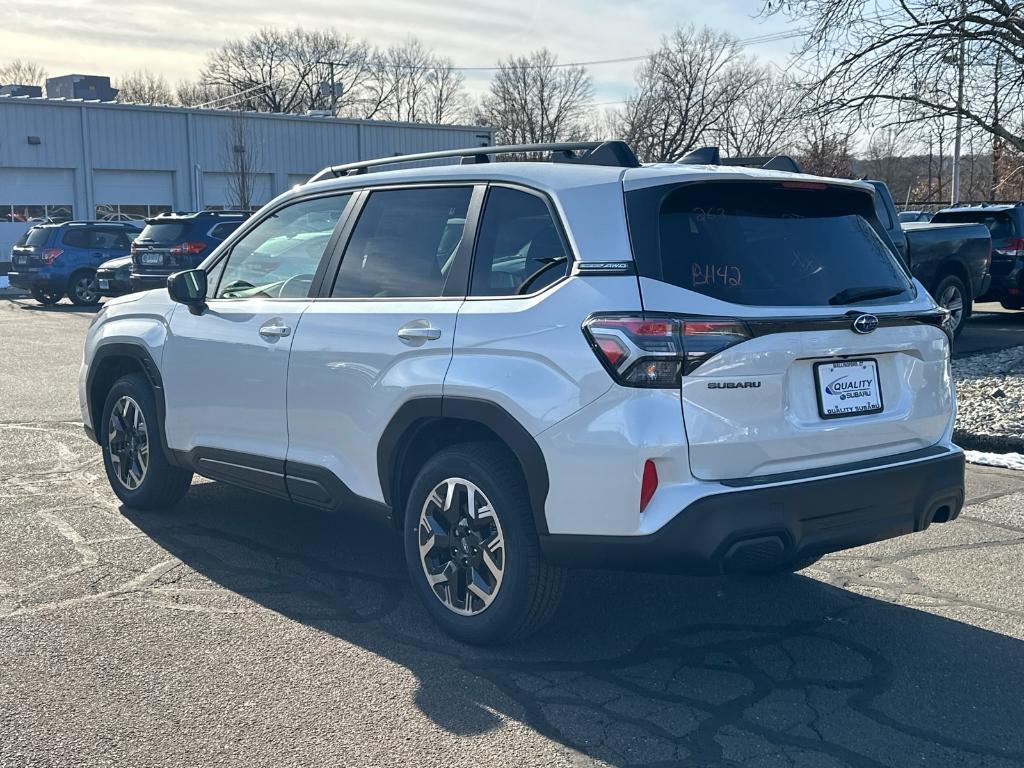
[
  {"x": 27, "y": 253},
  {"x": 152, "y": 250},
  {"x": 1007, "y": 241},
  {"x": 768, "y": 281}
]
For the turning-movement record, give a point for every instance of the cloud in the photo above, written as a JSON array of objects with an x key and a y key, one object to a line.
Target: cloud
[{"x": 113, "y": 37}]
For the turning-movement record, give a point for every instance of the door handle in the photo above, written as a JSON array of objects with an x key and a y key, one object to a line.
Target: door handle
[
  {"x": 418, "y": 332},
  {"x": 274, "y": 329}
]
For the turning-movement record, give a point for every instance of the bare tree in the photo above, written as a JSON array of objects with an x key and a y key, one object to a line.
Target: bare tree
[
  {"x": 899, "y": 60},
  {"x": 196, "y": 93},
  {"x": 533, "y": 100},
  {"x": 144, "y": 87},
  {"x": 22, "y": 72},
  {"x": 242, "y": 158},
  {"x": 282, "y": 71},
  {"x": 685, "y": 91},
  {"x": 826, "y": 148},
  {"x": 765, "y": 117},
  {"x": 410, "y": 82}
]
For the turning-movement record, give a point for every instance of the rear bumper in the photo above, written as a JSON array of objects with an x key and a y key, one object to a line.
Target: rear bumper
[
  {"x": 114, "y": 286},
  {"x": 1006, "y": 286},
  {"x": 29, "y": 279},
  {"x": 146, "y": 282},
  {"x": 768, "y": 527}
]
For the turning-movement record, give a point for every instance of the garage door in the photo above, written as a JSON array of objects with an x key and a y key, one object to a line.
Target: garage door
[
  {"x": 220, "y": 190},
  {"x": 132, "y": 194},
  {"x": 28, "y": 190}
]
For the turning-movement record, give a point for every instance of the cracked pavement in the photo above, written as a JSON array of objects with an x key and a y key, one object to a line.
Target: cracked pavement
[{"x": 239, "y": 630}]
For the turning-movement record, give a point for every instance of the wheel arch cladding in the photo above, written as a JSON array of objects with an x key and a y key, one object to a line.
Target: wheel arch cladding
[
  {"x": 424, "y": 424},
  {"x": 109, "y": 363},
  {"x": 957, "y": 269}
]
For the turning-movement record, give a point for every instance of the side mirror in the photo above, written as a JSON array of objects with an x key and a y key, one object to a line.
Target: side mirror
[{"x": 189, "y": 288}]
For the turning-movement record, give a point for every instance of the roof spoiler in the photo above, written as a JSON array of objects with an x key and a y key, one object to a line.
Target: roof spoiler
[{"x": 712, "y": 156}]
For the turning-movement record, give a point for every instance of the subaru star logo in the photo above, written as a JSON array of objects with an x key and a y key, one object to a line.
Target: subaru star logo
[{"x": 865, "y": 323}]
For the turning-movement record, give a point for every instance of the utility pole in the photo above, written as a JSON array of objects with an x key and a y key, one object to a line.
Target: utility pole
[
  {"x": 332, "y": 83},
  {"x": 997, "y": 142},
  {"x": 955, "y": 185}
]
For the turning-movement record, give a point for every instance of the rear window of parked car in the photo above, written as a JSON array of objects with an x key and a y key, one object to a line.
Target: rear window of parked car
[
  {"x": 999, "y": 223},
  {"x": 164, "y": 232},
  {"x": 35, "y": 236},
  {"x": 764, "y": 243}
]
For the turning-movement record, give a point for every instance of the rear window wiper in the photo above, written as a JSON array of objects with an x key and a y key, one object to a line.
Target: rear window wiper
[{"x": 864, "y": 293}]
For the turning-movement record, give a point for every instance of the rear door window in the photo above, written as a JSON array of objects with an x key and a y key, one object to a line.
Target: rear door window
[
  {"x": 77, "y": 237},
  {"x": 765, "y": 243},
  {"x": 999, "y": 223},
  {"x": 519, "y": 248},
  {"x": 404, "y": 244}
]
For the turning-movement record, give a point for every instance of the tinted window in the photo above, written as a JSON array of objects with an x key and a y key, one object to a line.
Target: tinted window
[
  {"x": 999, "y": 223},
  {"x": 279, "y": 257},
  {"x": 110, "y": 239},
  {"x": 763, "y": 244},
  {"x": 37, "y": 236},
  {"x": 882, "y": 212},
  {"x": 519, "y": 248},
  {"x": 404, "y": 243},
  {"x": 220, "y": 231},
  {"x": 77, "y": 237},
  {"x": 164, "y": 232}
]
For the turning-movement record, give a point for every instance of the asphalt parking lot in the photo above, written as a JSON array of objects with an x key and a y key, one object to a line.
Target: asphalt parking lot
[{"x": 239, "y": 630}]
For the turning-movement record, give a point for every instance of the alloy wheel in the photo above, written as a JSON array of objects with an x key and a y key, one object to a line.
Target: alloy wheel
[
  {"x": 952, "y": 299},
  {"x": 462, "y": 547},
  {"x": 85, "y": 289},
  {"x": 128, "y": 443}
]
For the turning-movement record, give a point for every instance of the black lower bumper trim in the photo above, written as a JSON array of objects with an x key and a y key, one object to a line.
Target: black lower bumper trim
[{"x": 765, "y": 528}]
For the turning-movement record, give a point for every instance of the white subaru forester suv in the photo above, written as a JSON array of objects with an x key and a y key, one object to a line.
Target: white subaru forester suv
[{"x": 530, "y": 365}]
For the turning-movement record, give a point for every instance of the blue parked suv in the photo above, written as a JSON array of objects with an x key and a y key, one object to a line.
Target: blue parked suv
[
  {"x": 172, "y": 242},
  {"x": 52, "y": 260}
]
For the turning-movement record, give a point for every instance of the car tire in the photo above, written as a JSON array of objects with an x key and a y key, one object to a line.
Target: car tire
[
  {"x": 494, "y": 548},
  {"x": 133, "y": 456},
  {"x": 951, "y": 292},
  {"x": 82, "y": 289},
  {"x": 45, "y": 297}
]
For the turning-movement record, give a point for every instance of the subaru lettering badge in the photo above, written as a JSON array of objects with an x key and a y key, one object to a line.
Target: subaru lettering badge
[{"x": 865, "y": 323}]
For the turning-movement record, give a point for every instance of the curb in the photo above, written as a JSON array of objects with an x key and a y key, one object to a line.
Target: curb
[{"x": 974, "y": 441}]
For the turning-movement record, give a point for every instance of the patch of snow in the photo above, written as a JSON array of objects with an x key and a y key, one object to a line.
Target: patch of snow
[{"x": 1005, "y": 460}]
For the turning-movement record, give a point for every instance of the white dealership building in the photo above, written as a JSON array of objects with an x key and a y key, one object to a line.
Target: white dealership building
[{"x": 84, "y": 159}]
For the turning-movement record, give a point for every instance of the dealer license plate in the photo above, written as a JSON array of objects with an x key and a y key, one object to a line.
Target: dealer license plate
[
  {"x": 151, "y": 258},
  {"x": 848, "y": 388},
  {"x": 104, "y": 284}
]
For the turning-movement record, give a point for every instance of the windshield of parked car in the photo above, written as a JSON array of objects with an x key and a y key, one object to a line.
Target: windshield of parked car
[
  {"x": 999, "y": 223},
  {"x": 764, "y": 244}
]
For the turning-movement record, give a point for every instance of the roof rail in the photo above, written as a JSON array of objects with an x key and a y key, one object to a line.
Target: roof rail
[
  {"x": 712, "y": 156},
  {"x": 613, "y": 153}
]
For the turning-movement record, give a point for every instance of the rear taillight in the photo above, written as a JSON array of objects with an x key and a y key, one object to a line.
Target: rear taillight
[
  {"x": 645, "y": 350},
  {"x": 189, "y": 249},
  {"x": 1014, "y": 249},
  {"x": 49, "y": 255}
]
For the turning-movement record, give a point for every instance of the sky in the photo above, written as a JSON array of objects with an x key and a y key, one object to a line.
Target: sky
[{"x": 108, "y": 37}]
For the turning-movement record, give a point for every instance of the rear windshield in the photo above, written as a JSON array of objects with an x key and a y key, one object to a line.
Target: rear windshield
[
  {"x": 164, "y": 232},
  {"x": 765, "y": 244},
  {"x": 36, "y": 236},
  {"x": 999, "y": 223}
]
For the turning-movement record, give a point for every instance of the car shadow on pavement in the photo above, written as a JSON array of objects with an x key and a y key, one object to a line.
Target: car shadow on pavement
[
  {"x": 637, "y": 668},
  {"x": 31, "y": 305}
]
